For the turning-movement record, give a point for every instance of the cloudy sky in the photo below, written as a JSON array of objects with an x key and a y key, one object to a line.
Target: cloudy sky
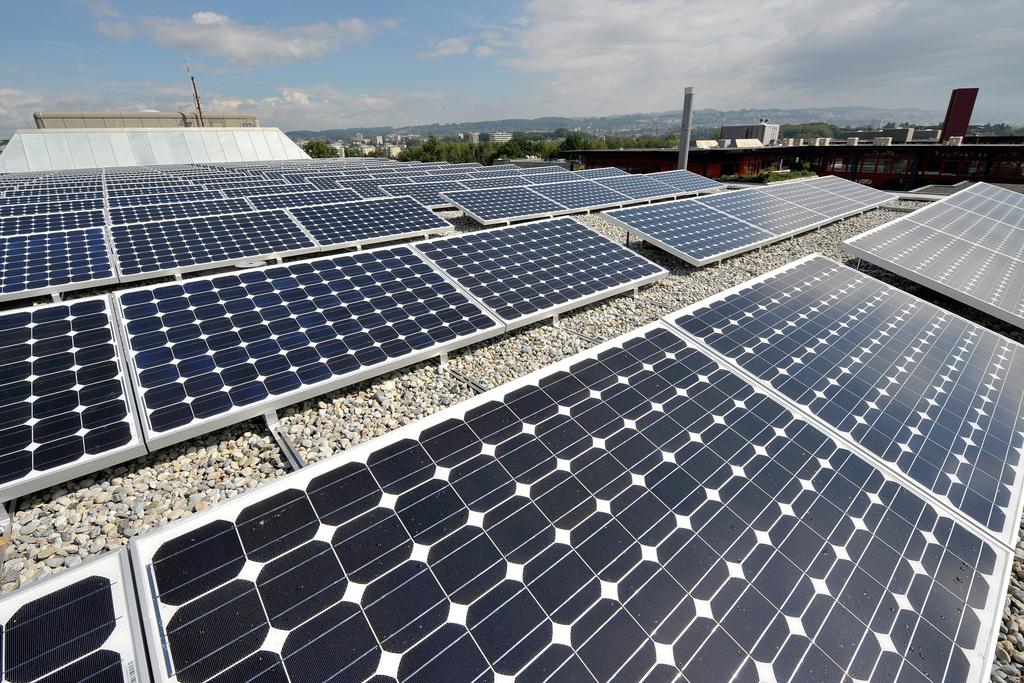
[{"x": 317, "y": 63}]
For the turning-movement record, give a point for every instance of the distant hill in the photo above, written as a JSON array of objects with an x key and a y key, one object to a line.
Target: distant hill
[{"x": 648, "y": 123}]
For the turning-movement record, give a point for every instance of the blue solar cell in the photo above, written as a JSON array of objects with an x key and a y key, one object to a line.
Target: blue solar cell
[
  {"x": 50, "y": 207},
  {"x": 33, "y": 264},
  {"x": 366, "y": 221},
  {"x": 249, "y": 191},
  {"x": 48, "y": 222},
  {"x": 561, "y": 176},
  {"x": 937, "y": 397},
  {"x": 638, "y": 186},
  {"x": 65, "y": 401},
  {"x": 160, "y": 197},
  {"x": 365, "y": 188},
  {"x": 222, "y": 347},
  {"x": 161, "y": 212},
  {"x": 686, "y": 181},
  {"x": 771, "y": 214},
  {"x": 205, "y": 242},
  {"x": 527, "y": 271},
  {"x": 607, "y": 172},
  {"x": 428, "y": 194},
  {"x": 283, "y": 201},
  {"x": 502, "y": 205},
  {"x": 497, "y": 181},
  {"x": 581, "y": 194}
]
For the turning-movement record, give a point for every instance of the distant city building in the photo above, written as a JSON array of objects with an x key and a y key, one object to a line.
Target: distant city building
[
  {"x": 359, "y": 137},
  {"x": 393, "y": 150},
  {"x": 380, "y": 139},
  {"x": 340, "y": 146},
  {"x": 767, "y": 133},
  {"x": 474, "y": 137},
  {"x": 500, "y": 137},
  {"x": 141, "y": 119}
]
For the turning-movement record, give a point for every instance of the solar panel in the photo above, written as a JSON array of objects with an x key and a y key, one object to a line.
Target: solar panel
[
  {"x": 164, "y": 198},
  {"x": 48, "y": 262},
  {"x": 690, "y": 230},
  {"x": 50, "y": 207},
  {"x": 80, "y": 625},
  {"x": 851, "y": 190},
  {"x": 561, "y": 176},
  {"x": 365, "y": 188},
  {"x": 686, "y": 181},
  {"x": 607, "y": 172},
  {"x": 65, "y": 409},
  {"x": 179, "y": 246},
  {"x": 639, "y": 187},
  {"x": 161, "y": 212},
  {"x": 809, "y": 196},
  {"x": 496, "y": 181},
  {"x": 368, "y": 221},
  {"x": 636, "y": 512},
  {"x": 936, "y": 397},
  {"x": 427, "y": 194},
  {"x": 769, "y": 213},
  {"x": 213, "y": 351},
  {"x": 47, "y": 197},
  {"x": 503, "y": 205},
  {"x": 268, "y": 189},
  {"x": 283, "y": 201},
  {"x": 534, "y": 270},
  {"x": 966, "y": 246},
  {"x": 49, "y": 222},
  {"x": 582, "y": 194}
]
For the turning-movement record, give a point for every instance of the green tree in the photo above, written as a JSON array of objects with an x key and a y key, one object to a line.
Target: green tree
[{"x": 319, "y": 149}]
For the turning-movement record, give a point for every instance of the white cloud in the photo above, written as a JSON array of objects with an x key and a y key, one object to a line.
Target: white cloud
[
  {"x": 447, "y": 48},
  {"x": 616, "y": 56},
  {"x": 16, "y": 107},
  {"x": 219, "y": 35}
]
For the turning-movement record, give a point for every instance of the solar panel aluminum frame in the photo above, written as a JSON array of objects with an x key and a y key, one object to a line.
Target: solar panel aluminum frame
[
  {"x": 719, "y": 257},
  {"x": 276, "y": 256},
  {"x": 41, "y": 479},
  {"x": 515, "y": 219},
  {"x": 127, "y": 639},
  {"x": 548, "y": 312},
  {"x": 851, "y": 245},
  {"x": 57, "y": 290},
  {"x": 1008, "y": 535},
  {"x": 155, "y": 441},
  {"x": 359, "y": 244},
  {"x": 142, "y": 548}
]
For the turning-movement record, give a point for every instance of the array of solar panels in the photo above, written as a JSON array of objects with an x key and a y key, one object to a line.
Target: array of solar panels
[
  {"x": 69, "y": 230},
  {"x": 704, "y": 230},
  {"x": 811, "y": 477},
  {"x": 205, "y": 352},
  {"x": 968, "y": 246},
  {"x": 554, "y": 194}
]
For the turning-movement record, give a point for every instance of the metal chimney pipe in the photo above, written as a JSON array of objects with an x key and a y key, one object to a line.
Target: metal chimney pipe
[{"x": 684, "y": 129}]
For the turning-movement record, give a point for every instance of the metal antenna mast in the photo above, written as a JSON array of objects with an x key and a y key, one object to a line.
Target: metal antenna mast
[{"x": 195, "y": 94}]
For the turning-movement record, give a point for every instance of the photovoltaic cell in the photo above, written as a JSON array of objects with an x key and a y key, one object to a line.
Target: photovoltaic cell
[
  {"x": 164, "y": 198},
  {"x": 636, "y": 512},
  {"x": 561, "y": 176},
  {"x": 581, "y": 194},
  {"x": 497, "y": 181},
  {"x": 771, "y": 214},
  {"x": 77, "y": 626},
  {"x": 368, "y": 221},
  {"x": 365, "y": 188},
  {"x": 161, "y": 212},
  {"x": 50, "y": 222},
  {"x": 283, "y": 201},
  {"x": 639, "y": 186},
  {"x": 967, "y": 246},
  {"x": 935, "y": 396},
  {"x": 64, "y": 402},
  {"x": 525, "y": 272},
  {"x": 213, "y": 351},
  {"x": 38, "y": 263},
  {"x": 427, "y": 194},
  {"x": 502, "y": 205},
  {"x": 607, "y": 172},
  {"x": 686, "y": 181},
  {"x": 50, "y": 207},
  {"x": 690, "y": 230}
]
